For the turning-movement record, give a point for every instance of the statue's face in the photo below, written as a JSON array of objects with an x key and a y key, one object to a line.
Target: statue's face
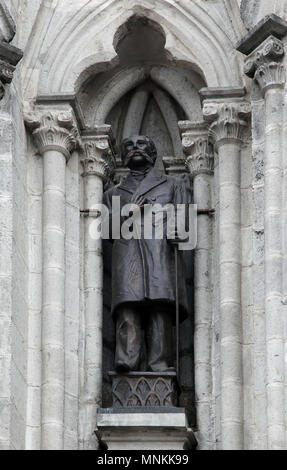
[{"x": 136, "y": 152}]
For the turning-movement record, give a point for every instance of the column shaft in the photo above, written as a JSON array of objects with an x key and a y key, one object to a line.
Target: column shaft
[
  {"x": 228, "y": 122},
  {"x": 53, "y": 373},
  {"x": 97, "y": 163},
  {"x": 93, "y": 279},
  {"x": 264, "y": 66},
  {"x": 203, "y": 310},
  {"x": 55, "y": 137},
  {"x": 273, "y": 269},
  {"x": 230, "y": 296},
  {"x": 200, "y": 164}
]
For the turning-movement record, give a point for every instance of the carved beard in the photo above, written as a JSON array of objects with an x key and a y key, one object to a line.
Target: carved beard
[{"x": 138, "y": 152}]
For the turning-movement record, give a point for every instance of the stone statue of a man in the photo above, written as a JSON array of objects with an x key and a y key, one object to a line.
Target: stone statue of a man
[{"x": 143, "y": 270}]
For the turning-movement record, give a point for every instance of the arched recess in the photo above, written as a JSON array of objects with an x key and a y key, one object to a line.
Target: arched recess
[
  {"x": 144, "y": 91},
  {"x": 195, "y": 33}
]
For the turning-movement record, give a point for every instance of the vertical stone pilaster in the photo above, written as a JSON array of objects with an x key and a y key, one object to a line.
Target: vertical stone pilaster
[
  {"x": 227, "y": 122},
  {"x": 9, "y": 57},
  {"x": 265, "y": 66},
  {"x": 199, "y": 161},
  {"x": 98, "y": 164},
  {"x": 55, "y": 137}
]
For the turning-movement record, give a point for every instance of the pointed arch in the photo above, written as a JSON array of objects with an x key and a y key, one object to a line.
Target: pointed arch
[{"x": 192, "y": 35}]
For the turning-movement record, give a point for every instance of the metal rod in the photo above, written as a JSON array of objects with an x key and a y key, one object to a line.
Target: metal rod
[{"x": 206, "y": 212}]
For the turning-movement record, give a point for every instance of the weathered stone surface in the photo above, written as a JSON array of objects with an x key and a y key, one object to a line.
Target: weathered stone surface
[
  {"x": 79, "y": 55},
  {"x": 7, "y": 24}
]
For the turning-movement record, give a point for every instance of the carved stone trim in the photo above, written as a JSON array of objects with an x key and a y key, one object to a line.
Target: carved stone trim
[
  {"x": 264, "y": 66},
  {"x": 98, "y": 156},
  {"x": 197, "y": 147},
  {"x": 144, "y": 390},
  {"x": 227, "y": 120},
  {"x": 54, "y": 131},
  {"x": 9, "y": 58}
]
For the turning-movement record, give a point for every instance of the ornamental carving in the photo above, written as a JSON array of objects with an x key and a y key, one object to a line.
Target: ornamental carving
[
  {"x": 54, "y": 131},
  {"x": 228, "y": 120},
  {"x": 139, "y": 390},
  {"x": 264, "y": 64},
  {"x": 197, "y": 148},
  {"x": 98, "y": 157}
]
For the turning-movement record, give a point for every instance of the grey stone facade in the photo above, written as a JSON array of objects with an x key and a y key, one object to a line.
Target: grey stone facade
[{"x": 207, "y": 80}]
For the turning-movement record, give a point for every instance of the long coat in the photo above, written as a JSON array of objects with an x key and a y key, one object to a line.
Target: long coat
[{"x": 144, "y": 270}]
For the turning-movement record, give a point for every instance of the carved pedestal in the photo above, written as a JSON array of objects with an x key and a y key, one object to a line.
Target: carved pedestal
[
  {"x": 144, "y": 414},
  {"x": 144, "y": 389}
]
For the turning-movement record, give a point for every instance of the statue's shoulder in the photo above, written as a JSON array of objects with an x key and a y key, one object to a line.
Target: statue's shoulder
[{"x": 111, "y": 191}]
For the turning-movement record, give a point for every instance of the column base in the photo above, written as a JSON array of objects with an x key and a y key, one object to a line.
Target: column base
[{"x": 145, "y": 429}]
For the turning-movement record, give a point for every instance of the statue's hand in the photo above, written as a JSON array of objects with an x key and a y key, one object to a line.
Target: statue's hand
[{"x": 139, "y": 201}]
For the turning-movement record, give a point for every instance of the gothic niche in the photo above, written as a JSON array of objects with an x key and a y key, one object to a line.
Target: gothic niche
[{"x": 145, "y": 91}]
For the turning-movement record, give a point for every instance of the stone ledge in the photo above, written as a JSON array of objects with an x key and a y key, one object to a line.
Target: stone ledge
[
  {"x": 268, "y": 26},
  {"x": 142, "y": 420},
  {"x": 217, "y": 93},
  {"x": 144, "y": 430}
]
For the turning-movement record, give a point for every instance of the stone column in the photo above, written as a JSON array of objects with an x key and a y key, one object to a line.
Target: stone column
[
  {"x": 200, "y": 161},
  {"x": 98, "y": 164},
  {"x": 265, "y": 67},
  {"x": 55, "y": 137},
  {"x": 227, "y": 123}
]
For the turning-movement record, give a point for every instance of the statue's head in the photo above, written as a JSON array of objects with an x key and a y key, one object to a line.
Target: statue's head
[{"x": 138, "y": 151}]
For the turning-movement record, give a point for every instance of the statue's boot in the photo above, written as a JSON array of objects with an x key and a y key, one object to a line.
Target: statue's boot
[
  {"x": 128, "y": 339},
  {"x": 159, "y": 341}
]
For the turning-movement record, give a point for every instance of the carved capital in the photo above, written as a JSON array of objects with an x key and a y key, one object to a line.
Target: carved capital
[
  {"x": 197, "y": 147},
  {"x": 98, "y": 158},
  {"x": 54, "y": 131},
  {"x": 264, "y": 64},
  {"x": 227, "y": 120}
]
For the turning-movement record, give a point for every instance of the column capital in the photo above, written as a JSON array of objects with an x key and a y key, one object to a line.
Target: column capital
[
  {"x": 228, "y": 120},
  {"x": 9, "y": 58},
  {"x": 98, "y": 156},
  {"x": 197, "y": 147},
  {"x": 264, "y": 64},
  {"x": 54, "y": 130}
]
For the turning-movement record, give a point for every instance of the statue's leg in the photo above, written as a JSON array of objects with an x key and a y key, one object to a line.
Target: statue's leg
[
  {"x": 159, "y": 338},
  {"x": 128, "y": 339}
]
